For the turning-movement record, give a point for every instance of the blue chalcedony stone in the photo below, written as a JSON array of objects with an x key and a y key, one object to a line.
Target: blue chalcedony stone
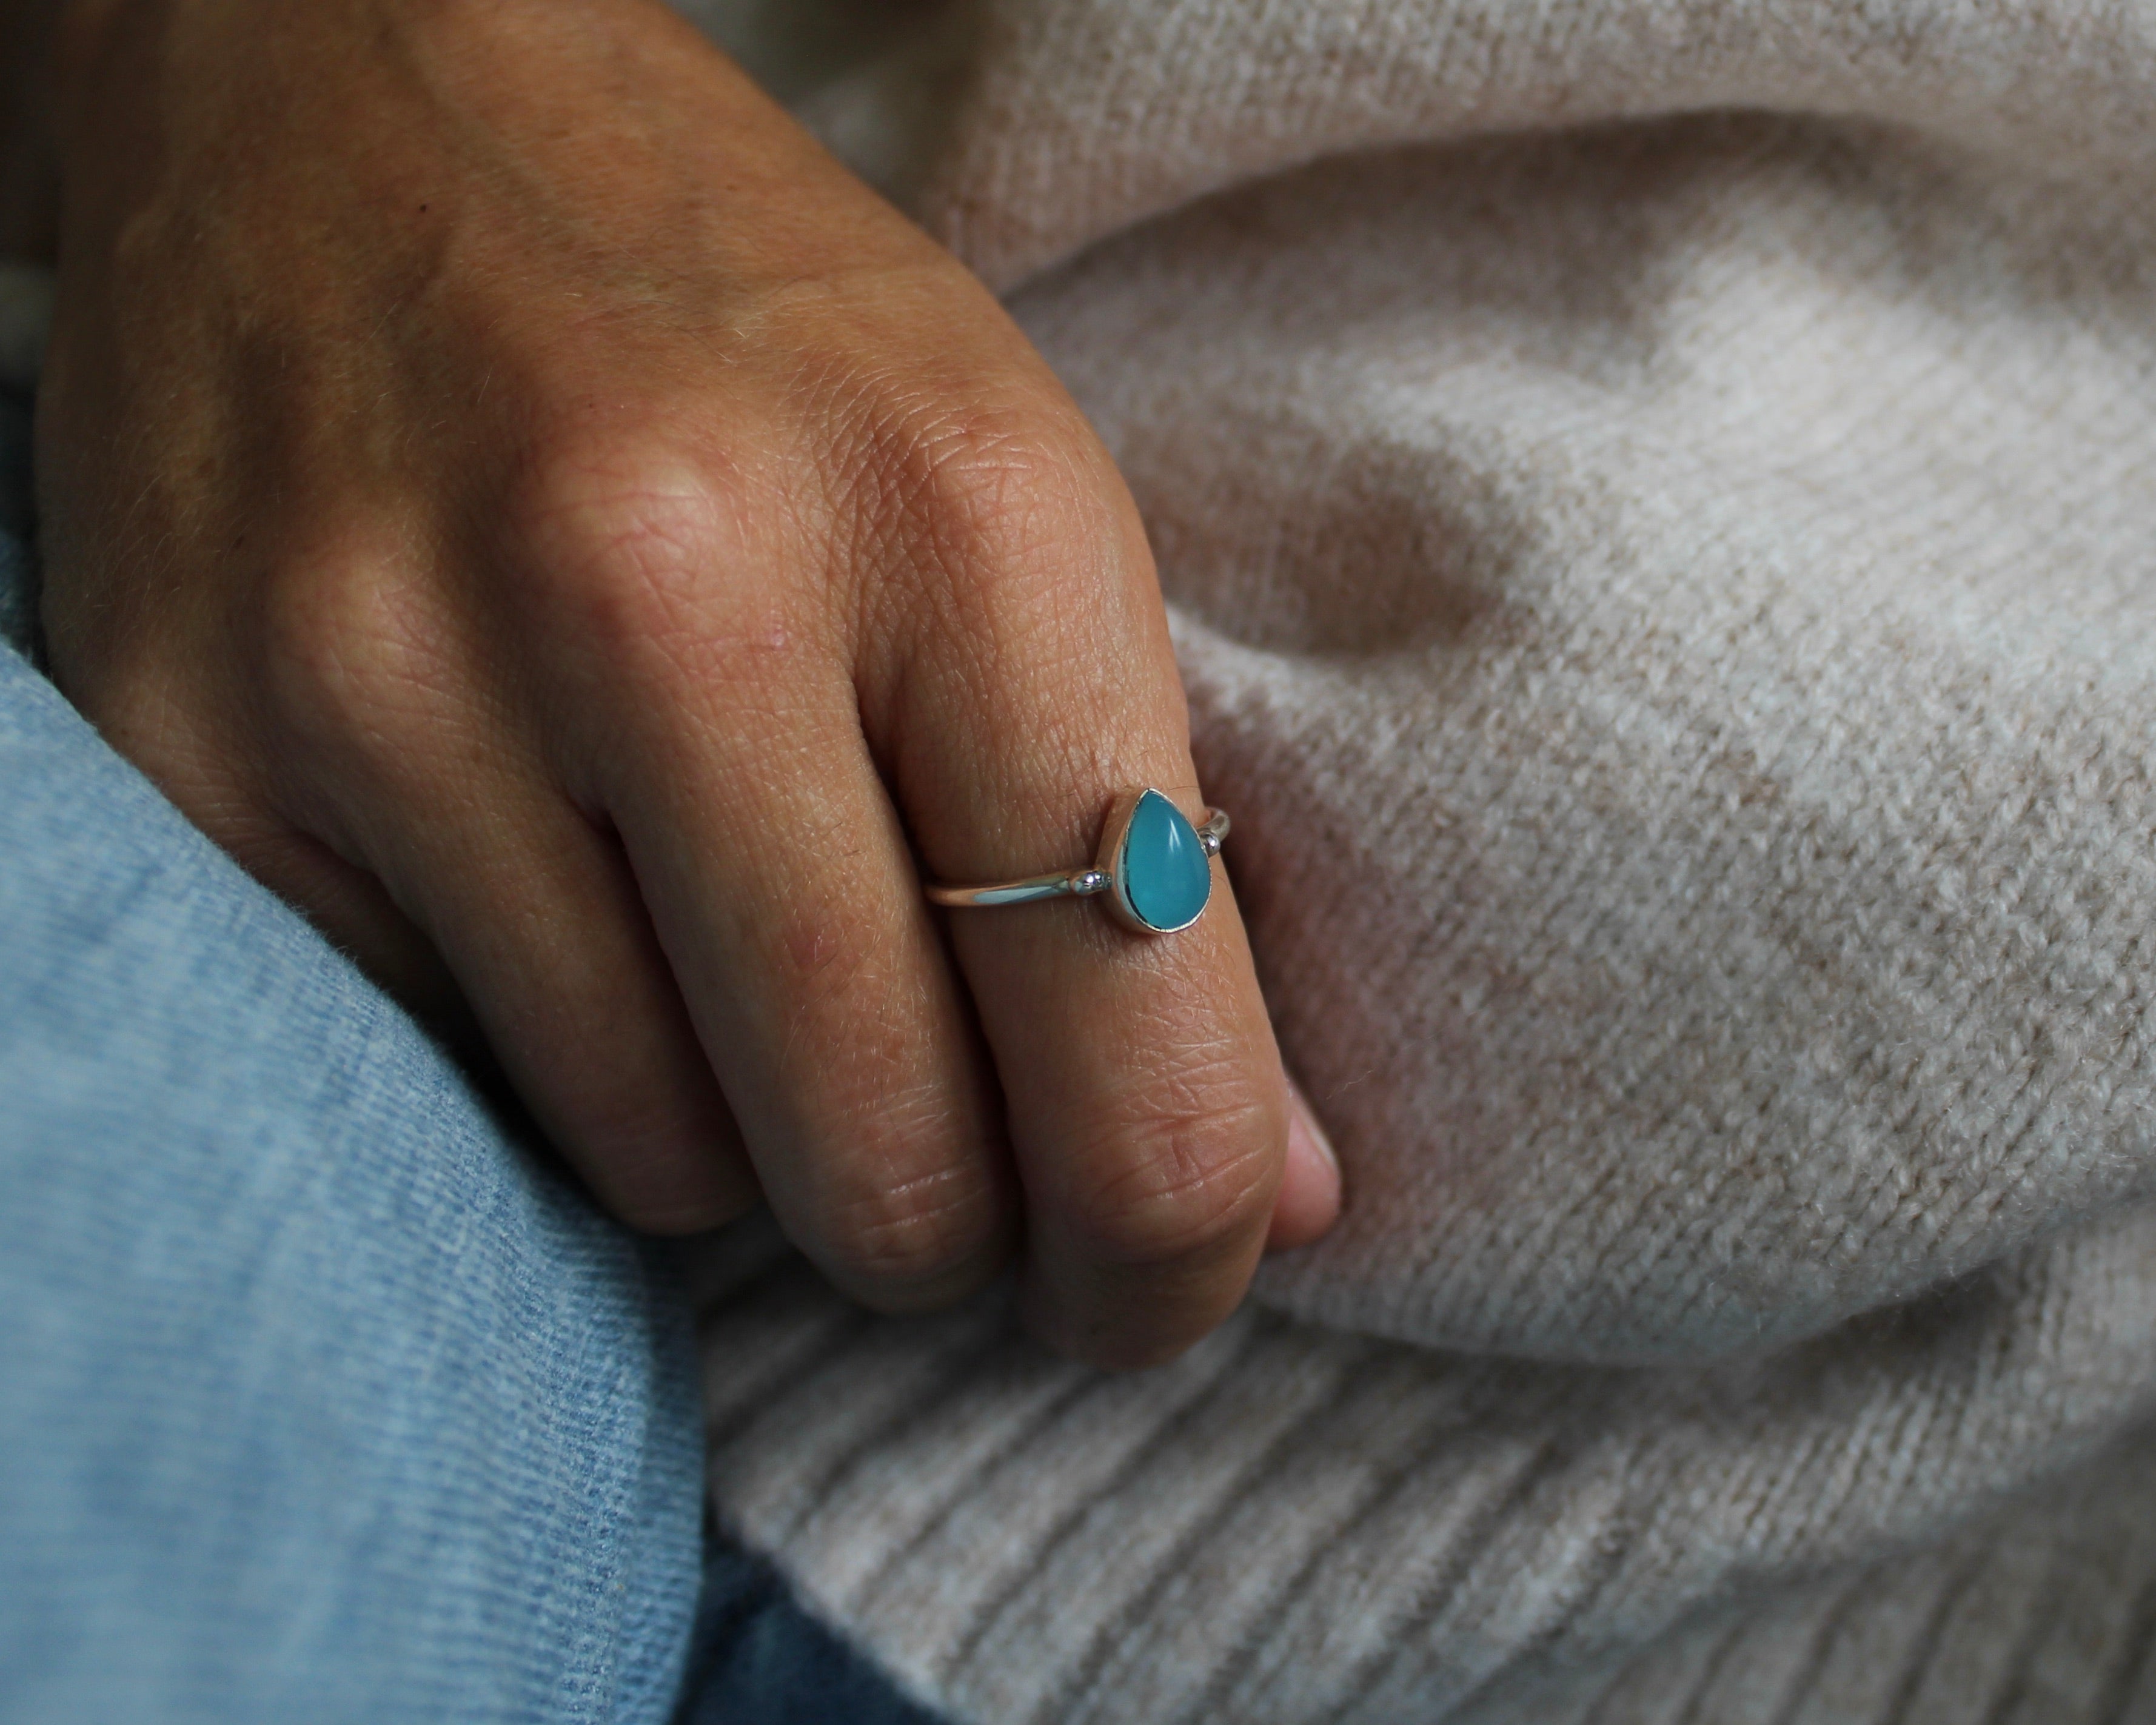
[{"x": 1165, "y": 875}]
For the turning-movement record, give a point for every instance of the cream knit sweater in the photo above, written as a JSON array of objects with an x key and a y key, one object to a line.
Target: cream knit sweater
[{"x": 1659, "y": 501}]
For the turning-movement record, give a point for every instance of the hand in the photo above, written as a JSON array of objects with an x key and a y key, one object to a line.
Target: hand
[{"x": 543, "y": 517}]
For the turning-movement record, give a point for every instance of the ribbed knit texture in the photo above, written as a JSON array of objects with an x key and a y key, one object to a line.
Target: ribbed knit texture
[{"x": 1659, "y": 502}]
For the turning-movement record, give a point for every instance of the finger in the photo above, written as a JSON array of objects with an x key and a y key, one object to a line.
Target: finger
[
  {"x": 785, "y": 901},
  {"x": 436, "y": 853},
  {"x": 1148, "y": 1116},
  {"x": 356, "y": 913},
  {"x": 825, "y": 1003},
  {"x": 1147, "y": 1108},
  {"x": 539, "y": 918},
  {"x": 535, "y": 914}
]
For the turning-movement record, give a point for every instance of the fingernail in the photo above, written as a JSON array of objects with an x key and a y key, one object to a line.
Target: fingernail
[
  {"x": 1309, "y": 1202},
  {"x": 1304, "y": 1133}
]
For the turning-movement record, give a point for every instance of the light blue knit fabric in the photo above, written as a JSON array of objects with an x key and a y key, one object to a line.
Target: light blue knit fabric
[{"x": 322, "y": 1397}]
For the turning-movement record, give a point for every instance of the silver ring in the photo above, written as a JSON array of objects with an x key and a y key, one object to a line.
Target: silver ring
[{"x": 1155, "y": 868}]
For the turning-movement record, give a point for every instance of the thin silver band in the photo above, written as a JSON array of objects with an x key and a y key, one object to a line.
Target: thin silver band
[{"x": 1066, "y": 883}]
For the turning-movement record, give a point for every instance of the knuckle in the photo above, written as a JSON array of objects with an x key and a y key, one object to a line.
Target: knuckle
[
  {"x": 356, "y": 657},
  {"x": 977, "y": 494},
  {"x": 916, "y": 1229},
  {"x": 987, "y": 473},
  {"x": 667, "y": 1182},
  {"x": 904, "y": 1244},
  {"x": 643, "y": 1141},
  {"x": 676, "y": 1198},
  {"x": 1185, "y": 1181},
  {"x": 634, "y": 543}
]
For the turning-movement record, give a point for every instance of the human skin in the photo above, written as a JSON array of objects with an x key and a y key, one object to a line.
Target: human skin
[{"x": 546, "y": 519}]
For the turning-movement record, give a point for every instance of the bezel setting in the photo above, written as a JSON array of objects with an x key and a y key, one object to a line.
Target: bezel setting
[{"x": 1111, "y": 861}]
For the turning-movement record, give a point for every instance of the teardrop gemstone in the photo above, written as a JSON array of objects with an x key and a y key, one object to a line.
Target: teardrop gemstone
[{"x": 1165, "y": 877}]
